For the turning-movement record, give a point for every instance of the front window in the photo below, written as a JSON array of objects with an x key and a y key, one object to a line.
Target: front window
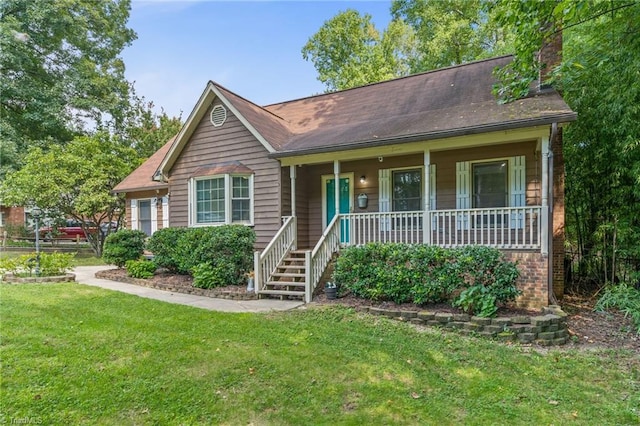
[
  {"x": 407, "y": 190},
  {"x": 222, "y": 199},
  {"x": 490, "y": 185},
  {"x": 210, "y": 196}
]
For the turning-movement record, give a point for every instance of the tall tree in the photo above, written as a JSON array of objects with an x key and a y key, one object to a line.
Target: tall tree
[
  {"x": 145, "y": 130},
  {"x": 74, "y": 180},
  {"x": 600, "y": 80},
  {"x": 349, "y": 51},
  {"x": 59, "y": 69},
  {"x": 450, "y": 32}
]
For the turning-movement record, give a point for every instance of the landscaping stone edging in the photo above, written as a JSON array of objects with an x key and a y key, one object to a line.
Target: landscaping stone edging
[
  {"x": 212, "y": 292},
  {"x": 548, "y": 329},
  {"x": 12, "y": 279}
]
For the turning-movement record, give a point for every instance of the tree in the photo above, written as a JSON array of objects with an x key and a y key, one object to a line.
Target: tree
[
  {"x": 74, "y": 180},
  {"x": 59, "y": 69},
  {"x": 146, "y": 131},
  {"x": 349, "y": 51},
  {"x": 600, "y": 80},
  {"x": 450, "y": 32}
]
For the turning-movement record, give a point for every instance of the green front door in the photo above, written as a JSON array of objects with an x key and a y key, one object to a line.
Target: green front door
[{"x": 345, "y": 205}]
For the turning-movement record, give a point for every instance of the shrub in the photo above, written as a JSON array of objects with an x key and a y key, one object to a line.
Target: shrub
[
  {"x": 224, "y": 248},
  {"x": 623, "y": 297},
  {"x": 474, "y": 278},
  {"x": 140, "y": 268},
  {"x": 51, "y": 264},
  {"x": 163, "y": 245},
  {"x": 123, "y": 245},
  {"x": 207, "y": 276}
]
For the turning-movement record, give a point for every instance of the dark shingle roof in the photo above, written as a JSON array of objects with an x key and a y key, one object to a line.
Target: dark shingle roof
[{"x": 141, "y": 179}]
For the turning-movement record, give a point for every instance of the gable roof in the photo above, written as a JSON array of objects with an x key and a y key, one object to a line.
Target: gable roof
[
  {"x": 141, "y": 179},
  {"x": 448, "y": 102}
]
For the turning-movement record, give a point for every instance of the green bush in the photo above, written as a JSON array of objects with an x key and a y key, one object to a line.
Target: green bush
[
  {"x": 207, "y": 276},
  {"x": 51, "y": 264},
  {"x": 624, "y": 297},
  {"x": 163, "y": 245},
  {"x": 140, "y": 268},
  {"x": 224, "y": 248},
  {"x": 123, "y": 245},
  {"x": 475, "y": 278}
]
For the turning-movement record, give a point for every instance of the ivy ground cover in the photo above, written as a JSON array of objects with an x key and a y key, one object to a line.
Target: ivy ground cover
[{"x": 74, "y": 354}]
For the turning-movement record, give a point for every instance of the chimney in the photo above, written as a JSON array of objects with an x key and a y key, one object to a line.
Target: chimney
[{"x": 550, "y": 56}]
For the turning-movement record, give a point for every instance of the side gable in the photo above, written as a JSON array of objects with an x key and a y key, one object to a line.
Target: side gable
[{"x": 262, "y": 124}]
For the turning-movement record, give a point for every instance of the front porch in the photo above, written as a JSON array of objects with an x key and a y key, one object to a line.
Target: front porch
[
  {"x": 283, "y": 270},
  {"x": 492, "y": 190}
]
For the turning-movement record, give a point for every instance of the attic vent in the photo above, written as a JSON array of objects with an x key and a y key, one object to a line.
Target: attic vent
[{"x": 218, "y": 115}]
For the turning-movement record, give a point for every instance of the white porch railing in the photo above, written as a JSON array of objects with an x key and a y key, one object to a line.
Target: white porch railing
[
  {"x": 320, "y": 257},
  {"x": 265, "y": 263},
  {"x": 507, "y": 228}
]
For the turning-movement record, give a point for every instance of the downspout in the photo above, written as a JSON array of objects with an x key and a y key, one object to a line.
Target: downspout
[{"x": 551, "y": 294}]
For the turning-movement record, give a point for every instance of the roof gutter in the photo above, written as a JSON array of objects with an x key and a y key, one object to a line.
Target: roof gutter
[{"x": 559, "y": 118}]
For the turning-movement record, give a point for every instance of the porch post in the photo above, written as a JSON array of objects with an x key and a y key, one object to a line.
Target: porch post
[
  {"x": 544, "y": 225},
  {"x": 426, "y": 217},
  {"x": 336, "y": 172},
  {"x": 292, "y": 175}
]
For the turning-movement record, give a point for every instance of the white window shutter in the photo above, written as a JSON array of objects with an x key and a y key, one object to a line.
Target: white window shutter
[
  {"x": 432, "y": 194},
  {"x": 165, "y": 211},
  {"x": 384, "y": 196},
  {"x": 134, "y": 214},
  {"x": 517, "y": 188},
  {"x": 191, "y": 200},
  {"x": 432, "y": 187},
  {"x": 463, "y": 192},
  {"x": 154, "y": 215}
]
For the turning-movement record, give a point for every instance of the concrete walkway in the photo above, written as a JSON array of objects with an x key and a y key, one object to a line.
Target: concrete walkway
[{"x": 86, "y": 275}]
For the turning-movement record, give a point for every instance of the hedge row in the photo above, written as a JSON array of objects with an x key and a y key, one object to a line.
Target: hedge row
[
  {"x": 214, "y": 256},
  {"x": 475, "y": 278}
]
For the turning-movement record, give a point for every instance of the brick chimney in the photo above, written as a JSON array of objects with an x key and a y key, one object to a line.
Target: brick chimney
[{"x": 550, "y": 56}]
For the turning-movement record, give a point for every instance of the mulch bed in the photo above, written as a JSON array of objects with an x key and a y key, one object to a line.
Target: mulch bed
[{"x": 589, "y": 329}]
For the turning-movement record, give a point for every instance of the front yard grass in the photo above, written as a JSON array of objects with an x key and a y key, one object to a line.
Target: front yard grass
[{"x": 74, "y": 354}]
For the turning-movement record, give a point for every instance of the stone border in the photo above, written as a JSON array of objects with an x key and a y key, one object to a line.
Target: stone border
[
  {"x": 12, "y": 279},
  {"x": 548, "y": 329},
  {"x": 212, "y": 292}
]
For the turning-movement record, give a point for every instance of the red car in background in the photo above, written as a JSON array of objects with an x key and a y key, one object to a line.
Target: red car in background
[{"x": 71, "y": 230}]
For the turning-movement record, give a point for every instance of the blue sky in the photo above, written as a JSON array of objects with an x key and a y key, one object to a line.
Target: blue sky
[{"x": 253, "y": 48}]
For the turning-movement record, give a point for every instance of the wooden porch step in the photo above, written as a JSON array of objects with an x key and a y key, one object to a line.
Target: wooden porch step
[
  {"x": 289, "y": 266},
  {"x": 288, "y": 275},
  {"x": 285, "y": 283},
  {"x": 293, "y": 259},
  {"x": 282, "y": 292}
]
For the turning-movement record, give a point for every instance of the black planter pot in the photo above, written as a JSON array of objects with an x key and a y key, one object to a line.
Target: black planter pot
[{"x": 331, "y": 292}]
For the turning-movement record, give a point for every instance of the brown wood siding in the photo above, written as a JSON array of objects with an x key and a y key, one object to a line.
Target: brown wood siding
[
  {"x": 230, "y": 142},
  {"x": 445, "y": 162},
  {"x": 302, "y": 208}
]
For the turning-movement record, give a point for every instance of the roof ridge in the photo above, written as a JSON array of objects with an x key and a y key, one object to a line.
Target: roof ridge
[
  {"x": 388, "y": 81},
  {"x": 263, "y": 108}
]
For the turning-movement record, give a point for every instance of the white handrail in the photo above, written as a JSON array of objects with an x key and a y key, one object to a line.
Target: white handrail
[
  {"x": 320, "y": 257},
  {"x": 265, "y": 263}
]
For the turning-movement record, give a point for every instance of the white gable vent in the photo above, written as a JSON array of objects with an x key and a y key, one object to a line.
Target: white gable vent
[{"x": 218, "y": 115}]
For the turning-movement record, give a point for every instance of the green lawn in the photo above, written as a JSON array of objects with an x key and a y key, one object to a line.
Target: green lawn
[{"x": 73, "y": 354}]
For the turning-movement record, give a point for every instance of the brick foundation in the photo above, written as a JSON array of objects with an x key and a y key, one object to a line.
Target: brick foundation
[{"x": 533, "y": 267}]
